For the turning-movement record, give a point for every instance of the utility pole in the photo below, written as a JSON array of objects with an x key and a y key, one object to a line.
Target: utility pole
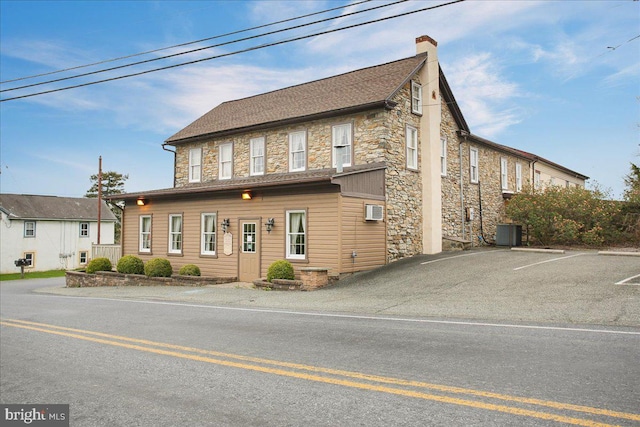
[{"x": 99, "y": 194}]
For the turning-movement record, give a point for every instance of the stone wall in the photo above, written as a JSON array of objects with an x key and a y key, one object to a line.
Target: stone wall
[
  {"x": 489, "y": 186},
  {"x": 76, "y": 279},
  {"x": 378, "y": 135}
]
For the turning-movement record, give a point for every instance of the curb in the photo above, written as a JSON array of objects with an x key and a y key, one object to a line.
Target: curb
[
  {"x": 612, "y": 253},
  {"x": 543, "y": 251}
]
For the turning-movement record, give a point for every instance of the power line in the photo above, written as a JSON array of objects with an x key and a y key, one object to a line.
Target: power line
[
  {"x": 199, "y": 49},
  {"x": 236, "y": 52},
  {"x": 184, "y": 44}
]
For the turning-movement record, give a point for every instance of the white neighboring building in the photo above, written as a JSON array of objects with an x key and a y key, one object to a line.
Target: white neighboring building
[{"x": 52, "y": 233}]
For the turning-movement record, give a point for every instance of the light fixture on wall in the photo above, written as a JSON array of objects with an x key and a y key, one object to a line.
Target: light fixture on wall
[
  {"x": 141, "y": 201},
  {"x": 246, "y": 195},
  {"x": 269, "y": 224},
  {"x": 225, "y": 224}
]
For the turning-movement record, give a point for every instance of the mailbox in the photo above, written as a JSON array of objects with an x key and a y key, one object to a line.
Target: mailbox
[{"x": 21, "y": 262}]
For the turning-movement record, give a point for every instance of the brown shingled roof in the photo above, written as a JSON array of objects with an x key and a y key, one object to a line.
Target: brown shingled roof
[
  {"x": 27, "y": 206},
  {"x": 363, "y": 88}
]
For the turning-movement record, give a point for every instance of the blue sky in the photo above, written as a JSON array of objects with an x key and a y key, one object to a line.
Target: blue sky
[{"x": 541, "y": 76}]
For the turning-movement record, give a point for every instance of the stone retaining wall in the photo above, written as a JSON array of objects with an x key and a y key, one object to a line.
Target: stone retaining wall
[{"x": 77, "y": 279}]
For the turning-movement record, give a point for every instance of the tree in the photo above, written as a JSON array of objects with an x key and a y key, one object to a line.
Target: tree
[
  {"x": 632, "y": 192},
  {"x": 112, "y": 184}
]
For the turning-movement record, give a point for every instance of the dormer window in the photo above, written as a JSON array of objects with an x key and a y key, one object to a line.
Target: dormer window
[{"x": 416, "y": 98}]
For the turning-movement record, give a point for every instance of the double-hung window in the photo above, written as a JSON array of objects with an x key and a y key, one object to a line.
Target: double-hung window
[
  {"x": 84, "y": 257},
  {"x": 29, "y": 229},
  {"x": 473, "y": 165},
  {"x": 518, "y": 177},
  {"x": 175, "y": 234},
  {"x": 225, "y": 163},
  {"x": 84, "y": 229},
  {"x": 256, "y": 148},
  {"x": 537, "y": 179},
  {"x": 296, "y": 234},
  {"x": 195, "y": 164},
  {"x": 341, "y": 137},
  {"x": 297, "y": 151},
  {"x": 208, "y": 238},
  {"x": 504, "y": 179},
  {"x": 411, "y": 136},
  {"x": 416, "y": 98},
  {"x": 443, "y": 156},
  {"x": 31, "y": 258},
  {"x": 145, "y": 234}
]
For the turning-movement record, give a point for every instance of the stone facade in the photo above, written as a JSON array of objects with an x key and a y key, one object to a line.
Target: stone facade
[
  {"x": 488, "y": 189},
  {"x": 77, "y": 279},
  {"x": 378, "y": 136}
]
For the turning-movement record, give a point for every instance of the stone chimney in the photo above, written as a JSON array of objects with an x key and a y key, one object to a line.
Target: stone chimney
[{"x": 430, "y": 147}]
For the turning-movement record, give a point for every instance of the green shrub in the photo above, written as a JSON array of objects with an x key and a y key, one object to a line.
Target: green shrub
[
  {"x": 189, "y": 270},
  {"x": 280, "y": 269},
  {"x": 130, "y": 264},
  {"x": 99, "y": 264},
  {"x": 158, "y": 267}
]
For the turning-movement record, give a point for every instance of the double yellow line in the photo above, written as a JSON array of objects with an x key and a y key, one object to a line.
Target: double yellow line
[{"x": 407, "y": 388}]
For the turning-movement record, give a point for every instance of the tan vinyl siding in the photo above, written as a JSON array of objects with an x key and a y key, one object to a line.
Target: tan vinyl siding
[
  {"x": 367, "y": 238},
  {"x": 322, "y": 229}
]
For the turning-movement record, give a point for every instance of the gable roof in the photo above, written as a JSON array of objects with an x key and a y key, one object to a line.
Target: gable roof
[
  {"x": 26, "y": 206},
  {"x": 350, "y": 92}
]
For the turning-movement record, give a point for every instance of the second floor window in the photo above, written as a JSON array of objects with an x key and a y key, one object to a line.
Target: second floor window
[
  {"x": 257, "y": 156},
  {"x": 195, "y": 164},
  {"x": 473, "y": 164},
  {"x": 175, "y": 234},
  {"x": 536, "y": 179},
  {"x": 416, "y": 98},
  {"x": 518, "y": 177},
  {"x": 341, "y": 143},
  {"x": 29, "y": 229},
  {"x": 84, "y": 229},
  {"x": 412, "y": 147},
  {"x": 297, "y": 151},
  {"x": 443, "y": 156},
  {"x": 226, "y": 161},
  {"x": 504, "y": 179}
]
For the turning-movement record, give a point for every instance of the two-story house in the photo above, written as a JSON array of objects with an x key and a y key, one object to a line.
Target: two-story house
[
  {"x": 348, "y": 172},
  {"x": 51, "y": 233}
]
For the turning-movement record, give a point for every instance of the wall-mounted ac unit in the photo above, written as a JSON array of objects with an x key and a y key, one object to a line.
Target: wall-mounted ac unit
[{"x": 373, "y": 212}]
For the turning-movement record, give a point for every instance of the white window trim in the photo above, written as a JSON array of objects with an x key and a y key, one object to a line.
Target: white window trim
[
  {"x": 304, "y": 166},
  {"x": 177, "y": 233},
  {"x": 334, "y": 152},
  {"x": 31, "y": 229},
  {"x": 140, "y": 234},
  {"x": 252, "y": 155},
  {"x": 504, "y": 176},
  {"x": 203, "y": 251},
  {"x": 31, "y": 260},
  {"x": 473, "y": 165},
  {"x": 411, "y": 135},
  {"x": 416, "y": 97},
  {"x": 289, "y": 255},
  {"x": 443, "y": 156},
  {"x": 221, "y": 161},
  {"x": 195, "y": 166},
  {"x": 537, "y": 179},
  {"x": 518, "y": 177},
  {"x": 86, "y": 257},
  {"x": 87, "y": 230}
]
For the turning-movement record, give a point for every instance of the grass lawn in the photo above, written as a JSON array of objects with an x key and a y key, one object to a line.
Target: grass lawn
[{"x": 33, "y": 275}]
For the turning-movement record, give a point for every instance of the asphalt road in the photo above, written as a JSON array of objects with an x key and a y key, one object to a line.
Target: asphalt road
[{"x": 129, "y": 361}]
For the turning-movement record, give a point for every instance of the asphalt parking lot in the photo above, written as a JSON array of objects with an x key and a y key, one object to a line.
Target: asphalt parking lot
[{"x": 575, "y": 287}]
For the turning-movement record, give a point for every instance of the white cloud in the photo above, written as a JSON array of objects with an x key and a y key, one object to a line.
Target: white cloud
[{"x": 484, "y": 95}]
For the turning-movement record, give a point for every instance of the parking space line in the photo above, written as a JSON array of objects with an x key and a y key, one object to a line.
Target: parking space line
[
  {"x": 624, "y": 282},
  {"x": 458, "y": 256},
  {"x": 549, "y": 260}
]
